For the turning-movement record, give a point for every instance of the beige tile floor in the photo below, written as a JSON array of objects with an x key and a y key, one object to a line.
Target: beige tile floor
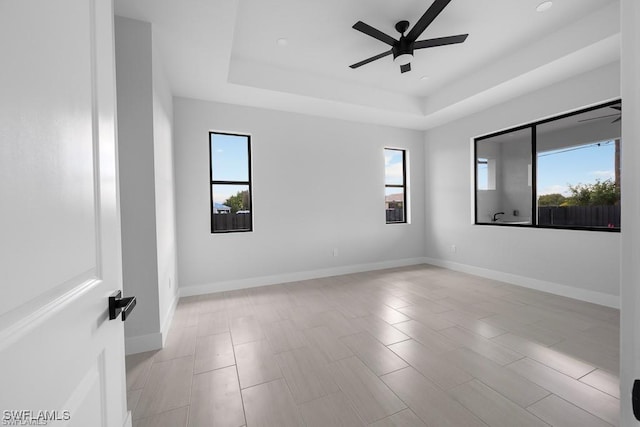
[{"x": 413, "y": 346}]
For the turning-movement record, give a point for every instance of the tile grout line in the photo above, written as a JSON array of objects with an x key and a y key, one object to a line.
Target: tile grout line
[
  {"x": 569, "y": 403},
  {"x": 235, "y": 360}
]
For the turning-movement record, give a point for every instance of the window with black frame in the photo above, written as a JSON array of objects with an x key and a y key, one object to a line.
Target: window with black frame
[
  {"x": 562, "y": 172},
  {"x": 230, "y": 173},
  {"x": 395, "y": 185}
]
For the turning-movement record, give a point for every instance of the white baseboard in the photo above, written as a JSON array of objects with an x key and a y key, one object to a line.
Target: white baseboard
[
  {"x": 156, "y": 340},
  {"x": 142, "y": 343},
  {"x": 294, "y": 277},
  {"x": 594, "y": 297},
  {"x": 527, "y": 282}
]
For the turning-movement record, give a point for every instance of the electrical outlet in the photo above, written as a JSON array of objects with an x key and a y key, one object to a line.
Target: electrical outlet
[
  {"x": 335, "y": 251},
  {"x": 454, "y": 248}
]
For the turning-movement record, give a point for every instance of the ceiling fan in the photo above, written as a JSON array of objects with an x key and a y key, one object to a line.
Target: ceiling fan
[
  {"x": 402, "y": 49},
  {"x": 618, "y": 115}
]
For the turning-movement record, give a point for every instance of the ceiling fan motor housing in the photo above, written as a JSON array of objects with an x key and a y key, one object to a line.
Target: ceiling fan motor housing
[{"x": 402, "y": 47}]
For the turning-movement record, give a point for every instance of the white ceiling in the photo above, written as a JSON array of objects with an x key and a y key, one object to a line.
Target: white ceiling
[{"x": 226, "y": 50}]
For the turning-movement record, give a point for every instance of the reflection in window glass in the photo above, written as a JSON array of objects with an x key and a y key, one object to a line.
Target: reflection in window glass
[
  {"x": 503, "y": 167},
  {"x": 230, "y": 182}
]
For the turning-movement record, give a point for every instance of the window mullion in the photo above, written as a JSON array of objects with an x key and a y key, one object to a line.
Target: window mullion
[{"x": 534, "y": 176}]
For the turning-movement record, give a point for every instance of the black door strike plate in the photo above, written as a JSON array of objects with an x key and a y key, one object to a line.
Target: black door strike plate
[{"x": 635, "y": 399}]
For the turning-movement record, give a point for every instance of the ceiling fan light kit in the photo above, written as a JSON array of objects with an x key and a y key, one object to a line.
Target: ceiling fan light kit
[
  {"x": 403, "y": 59},
  {"x": 403, "y": 48}
]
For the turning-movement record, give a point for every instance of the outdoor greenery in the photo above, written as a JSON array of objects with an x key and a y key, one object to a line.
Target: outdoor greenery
[
  {"x": 599, "y": 193},
  {"x": 555, "y": 199},
  {"x": 238, "y": 202},
  {"x": 395, "y": 205}
]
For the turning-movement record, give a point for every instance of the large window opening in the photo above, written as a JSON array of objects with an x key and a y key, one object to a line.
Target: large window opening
[
  {"x": 562, "y": 172},
  {"x": 230, "y": 170}
]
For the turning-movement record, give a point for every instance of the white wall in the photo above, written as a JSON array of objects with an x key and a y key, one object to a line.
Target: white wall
[
  {"x": 580, "y": 264},
  {"x": 318, "y": 184},
  {"x": 514, "y": 188},
  {"x": 630, "y": 274},
  {"x": 136, "y": 175},
  {"x": 146, "y": 189},
  {"x": 164, "y": 193}
]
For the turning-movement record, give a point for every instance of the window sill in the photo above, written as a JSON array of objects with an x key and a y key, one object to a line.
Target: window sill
[{"x": 551, "y": 227}]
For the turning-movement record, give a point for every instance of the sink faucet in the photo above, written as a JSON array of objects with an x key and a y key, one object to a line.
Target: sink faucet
[{"x": 495, "y": 216}]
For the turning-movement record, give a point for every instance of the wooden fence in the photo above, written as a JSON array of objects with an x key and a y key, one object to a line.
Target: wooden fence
[
  {"x": 231, "y": 221},
  {"x": 580, "y": 216},
  {"x": 395, "y": 215}
]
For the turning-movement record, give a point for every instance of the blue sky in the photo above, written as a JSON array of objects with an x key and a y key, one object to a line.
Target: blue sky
[
  {"x": 229, "y": 160},
  {"x": 557, "y": 169},
  {"x": 393, "y": 167}
]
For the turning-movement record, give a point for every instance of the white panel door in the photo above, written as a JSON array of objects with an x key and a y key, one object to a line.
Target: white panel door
[
  {"x": 630, "y": 236},
  {"x": 61, "y": 357}
]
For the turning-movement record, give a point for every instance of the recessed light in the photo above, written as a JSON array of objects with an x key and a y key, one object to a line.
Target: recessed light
[
  {"x": 544, "y": 6},
  {"x": 282, "y": 42}
]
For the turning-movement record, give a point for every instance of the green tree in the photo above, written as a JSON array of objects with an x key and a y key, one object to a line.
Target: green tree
[
  {"x": 554, "y": 199},
  {"x": 238, "y": 202},
  {"x": 599, "y": 193}
]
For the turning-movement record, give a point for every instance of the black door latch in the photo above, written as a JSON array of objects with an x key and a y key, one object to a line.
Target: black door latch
[
  {"x": 118, "y": 305},
  {"x": 635, "y": 399}
]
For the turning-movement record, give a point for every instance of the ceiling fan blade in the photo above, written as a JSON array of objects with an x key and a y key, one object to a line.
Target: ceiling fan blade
[
  {"x": 596, "y": 118},
  {"x": 373, "y": 32},
  {"x": 440, "y": 41},
  {"x": 617, "y": 120},
  {"x": 404, "y": 68},
  {"x": 373, "y": 58},
  {"x": 426, "y": 19}
]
